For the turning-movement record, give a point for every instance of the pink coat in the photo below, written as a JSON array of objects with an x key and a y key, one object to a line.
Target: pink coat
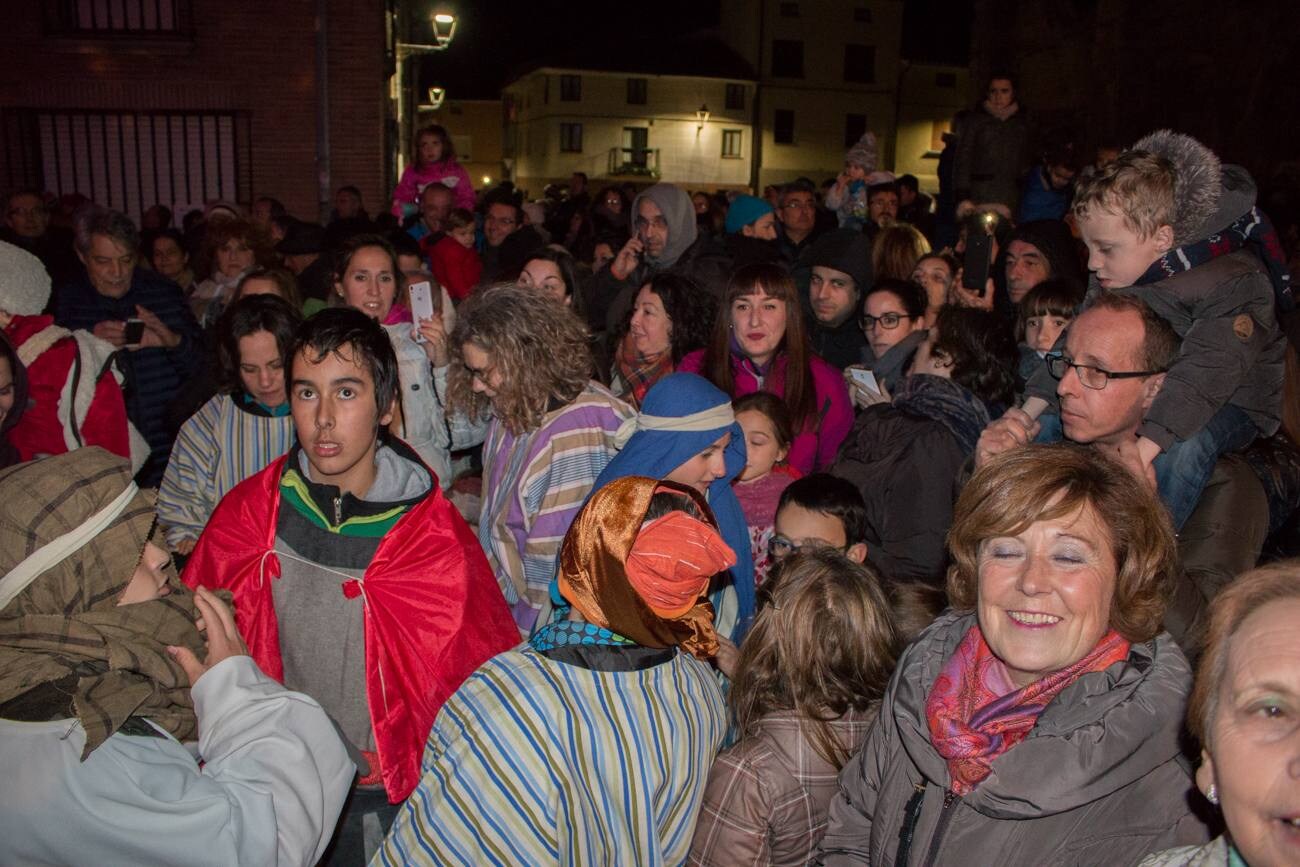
[
  {"x": 416, "y": 178},
  {"x": 814, "y": 448}
]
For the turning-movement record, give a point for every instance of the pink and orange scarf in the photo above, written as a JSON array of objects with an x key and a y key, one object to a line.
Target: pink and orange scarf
[{"x": 973, "y": 719}]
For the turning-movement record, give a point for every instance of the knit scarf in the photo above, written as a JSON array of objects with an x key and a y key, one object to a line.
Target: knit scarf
[
  {"x": 1252, "y": 229},
  {"x": 962, "y": 413},
  {"x": 972, "y": 717},
  {"x": 1001, "y": 113},
  {"x": 641, "y": 371}
]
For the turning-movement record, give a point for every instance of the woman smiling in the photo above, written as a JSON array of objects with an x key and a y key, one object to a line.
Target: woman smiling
[{"x": 1038, "y": 722}]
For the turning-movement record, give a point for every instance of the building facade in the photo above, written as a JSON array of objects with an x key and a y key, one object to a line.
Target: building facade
[
  {"x": 183, "y": 102},
  {"x": 616, "y": 126},
  {"x": 475, "y": 127}
]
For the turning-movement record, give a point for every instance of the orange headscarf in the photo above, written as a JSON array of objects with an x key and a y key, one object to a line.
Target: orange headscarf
[{"x": 648, "y": 583}]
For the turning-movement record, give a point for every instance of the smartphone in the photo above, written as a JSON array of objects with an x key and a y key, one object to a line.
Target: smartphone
[
  {"x": 133, "y": 333},
  {"x": 422, "y": 305},
  {"x": 976, "y": 261},
  {"x": 865, "y": 378}
]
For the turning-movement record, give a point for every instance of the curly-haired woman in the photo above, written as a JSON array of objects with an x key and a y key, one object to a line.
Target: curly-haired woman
[
  {"x": 904, "y": 454},
  {"x": 670, "y": 317},
  {"x": 526, "y": 358}
]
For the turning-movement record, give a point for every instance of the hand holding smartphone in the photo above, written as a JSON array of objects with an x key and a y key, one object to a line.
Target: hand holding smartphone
[
  {"x": 133, "y": 332},
  {"x": 422, "y": 305},
  {"x": 864, "y": 378},
  {"x": 976, "y": 261}
]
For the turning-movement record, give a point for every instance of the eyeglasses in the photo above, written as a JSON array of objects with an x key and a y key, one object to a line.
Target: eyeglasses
[
  {"x": 480, "y": 375},
  {"x": 781, "y": 547},
  {"x": 798, "y": 206},
  {"x": 1090, "y": 375},
  {"x": 888, "y": 321}
]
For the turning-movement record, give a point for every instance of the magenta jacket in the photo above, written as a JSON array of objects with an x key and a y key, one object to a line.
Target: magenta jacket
[
  {"x": 814, "y": 448},
  {"x": 414, "y": 179}
]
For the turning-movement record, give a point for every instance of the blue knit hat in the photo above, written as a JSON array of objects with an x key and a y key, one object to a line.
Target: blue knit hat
[{"x": 745, "y": 210}]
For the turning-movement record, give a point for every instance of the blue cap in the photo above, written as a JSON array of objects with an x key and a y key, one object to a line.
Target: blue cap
[{"x": 745, "y": 210}]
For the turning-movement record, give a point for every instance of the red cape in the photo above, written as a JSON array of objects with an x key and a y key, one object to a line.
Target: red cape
[{"x": 433, "y": 610}]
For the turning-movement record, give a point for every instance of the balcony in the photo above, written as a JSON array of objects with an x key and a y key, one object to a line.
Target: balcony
[{"x": 643, "y": 162}]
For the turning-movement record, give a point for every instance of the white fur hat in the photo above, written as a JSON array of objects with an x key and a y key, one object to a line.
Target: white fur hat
[{"x": 24, "y": 282}]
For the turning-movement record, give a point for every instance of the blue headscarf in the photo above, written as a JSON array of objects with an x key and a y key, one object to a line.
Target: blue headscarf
[{"x": 656, "y": 453}]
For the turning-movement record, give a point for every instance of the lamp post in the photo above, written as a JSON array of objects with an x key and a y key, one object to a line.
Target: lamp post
[{"x": 444, "y": 30}]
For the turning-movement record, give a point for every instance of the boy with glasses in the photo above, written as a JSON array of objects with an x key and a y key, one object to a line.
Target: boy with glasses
[{"x": 820, "y": 511}]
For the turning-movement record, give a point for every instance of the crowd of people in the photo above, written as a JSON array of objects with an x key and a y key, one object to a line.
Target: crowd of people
[{"x": 841, "y": 524}]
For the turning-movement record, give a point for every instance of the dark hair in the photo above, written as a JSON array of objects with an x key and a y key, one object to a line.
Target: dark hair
[
  {"x": 1160, "y": 343},
  {"x": 403, "y": 244},
  {"x": 250, "y": 315},
  {"x": 343, "y": 257},
  {"x": 1049, "y": 298},
  {"x": 563, "y": 260},
  {"x": 688, "y": 308},
  {"x": 799, "y": 186},
  {"x": 336, "y": 328},
  {"x": 164, "y": 212},
  {"x": 222, "y": 232},
  {"x": 277, "y": 207},
  {"x": 771, "y": 406},
  {"x": 915, "y": 605},
  {"x": 510, "y": 201},
  {"x": 909, "y": 292},
  {"x": 773, "y": 281},
  {"x": 457, "y": 218},
  {"x": 982, "y": 351},
  {"x": 908, "y": 182},
  {"x": 448, "y": 149},
  {"x": 833, "y": 496},
  {"x": 174, "y": 235},
  {"x": 349, "y": 188},
  {"x": 885, "y": 187},
  {"x": 285, "y": 283}
]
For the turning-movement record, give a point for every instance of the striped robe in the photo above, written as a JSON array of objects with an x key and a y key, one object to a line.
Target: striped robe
[
  {"x": 217, "y": 448},
  {"x": 534, "y": 761},
  {"x": 533, "y": 486}
]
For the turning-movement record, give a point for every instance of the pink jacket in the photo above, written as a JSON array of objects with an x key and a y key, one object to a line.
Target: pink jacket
[
  {"x": 416, "y": 178},
  {"x": 814, "y": 448}
]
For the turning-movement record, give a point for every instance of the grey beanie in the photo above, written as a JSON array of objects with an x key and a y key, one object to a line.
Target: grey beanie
[
  {"x": 24, "y": 282},
  {"x": 863, "y": 153}
]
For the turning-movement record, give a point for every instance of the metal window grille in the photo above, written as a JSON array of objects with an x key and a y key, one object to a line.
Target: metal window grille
[
  {"x": 130, "y": 160},
  {"x": 118, "y": 17}
]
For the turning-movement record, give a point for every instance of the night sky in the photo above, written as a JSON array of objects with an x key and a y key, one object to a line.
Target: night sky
[{"x": 497, "y": 41}]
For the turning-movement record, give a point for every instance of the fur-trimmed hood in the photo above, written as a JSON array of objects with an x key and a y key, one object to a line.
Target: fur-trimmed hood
[{"x": 1198, "y": 183}]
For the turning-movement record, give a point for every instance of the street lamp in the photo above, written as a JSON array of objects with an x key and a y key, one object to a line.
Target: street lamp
[
  {"x": 702, "y": 115},
  {"x": 444, "y": 30},
  {"x": 436, "y": 97}
]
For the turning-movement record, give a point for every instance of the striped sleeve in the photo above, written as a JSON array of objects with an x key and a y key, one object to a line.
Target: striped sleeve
[{"x": 187, "y": 494}]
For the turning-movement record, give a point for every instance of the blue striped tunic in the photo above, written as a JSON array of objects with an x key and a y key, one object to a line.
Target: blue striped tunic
[
  {"x": 534, "y": 761},
  {"x": 217, "y": 448}
]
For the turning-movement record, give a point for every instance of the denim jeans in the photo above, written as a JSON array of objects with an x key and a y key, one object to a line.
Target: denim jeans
[{"x": 1183, "y": 470}]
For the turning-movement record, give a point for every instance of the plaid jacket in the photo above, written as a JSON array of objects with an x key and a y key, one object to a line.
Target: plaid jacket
[{"x": 767, "y": 796}]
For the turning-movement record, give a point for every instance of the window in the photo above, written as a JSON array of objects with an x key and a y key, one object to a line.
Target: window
[
  {"x": 570, "y": 88},
  {"x": 571, "y": 138},
  {"x": 789, "y": 10},
  {"x": 860, "y": 63},
  {"x": 783, "y": 126},
  {"x": 862, "y": 14},
  {"x": 636, "y": 91},
  {"x": 129, "y": 160},
  {"x": 736, "y": 97},
  {"x": 855, "y": 126},
  {"x": 731, "y": 139},
  {"x": 134, "y": 18},
  {"x": 787, "y": 58},
  {"x": 945, "y": 79}
]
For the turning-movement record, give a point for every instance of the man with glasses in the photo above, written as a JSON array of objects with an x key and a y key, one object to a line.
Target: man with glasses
[
  {"x": 1112, "y": 368},
  {"x": 27, "y": 225},
  {"x": 823, "y": 511},
  {"x": 796, "y": 216}
]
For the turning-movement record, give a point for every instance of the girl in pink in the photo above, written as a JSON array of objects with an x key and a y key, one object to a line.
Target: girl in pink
[
  {"x": 768, "y": 432},
  {"x": 434, "y": 163}
]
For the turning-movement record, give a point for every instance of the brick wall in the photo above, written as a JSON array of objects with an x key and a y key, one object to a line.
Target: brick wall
[{"x": 245, "y": 55}]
